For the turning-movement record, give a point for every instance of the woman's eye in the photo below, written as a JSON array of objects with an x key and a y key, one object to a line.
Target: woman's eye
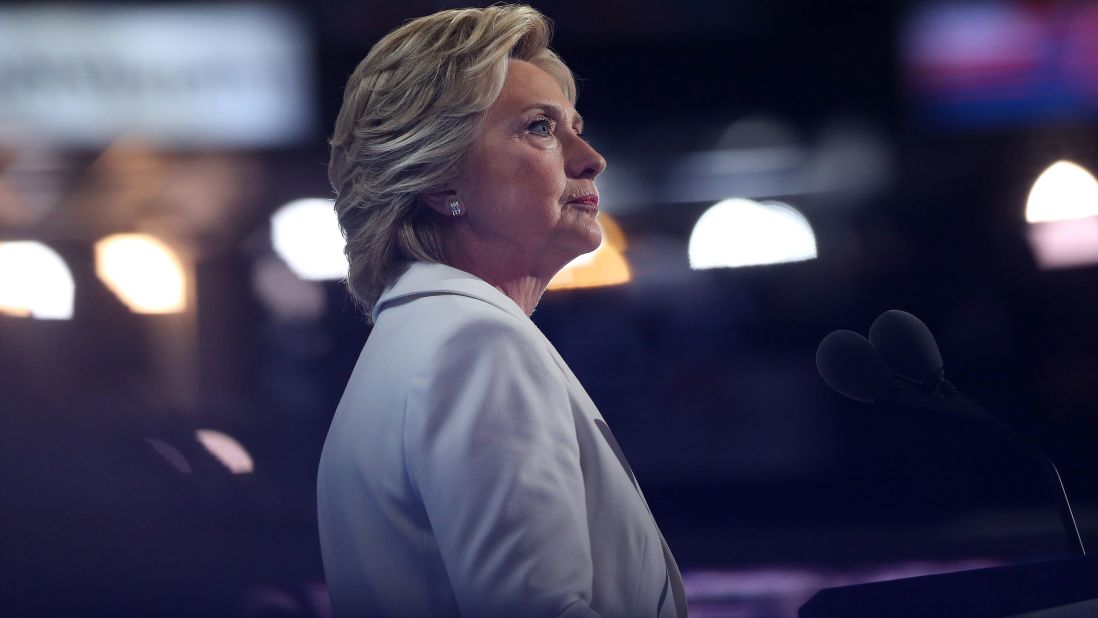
[{"x": 543, "y": 127}]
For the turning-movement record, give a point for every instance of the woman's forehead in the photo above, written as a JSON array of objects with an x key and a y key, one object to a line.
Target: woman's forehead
[{"x": 527, "y": 85}]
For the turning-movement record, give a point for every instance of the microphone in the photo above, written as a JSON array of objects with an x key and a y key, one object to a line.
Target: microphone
[
  {"x": 908, "y": 346},
  {"x": 901, "y": 354},
  {"x": 851, "y": 365}
]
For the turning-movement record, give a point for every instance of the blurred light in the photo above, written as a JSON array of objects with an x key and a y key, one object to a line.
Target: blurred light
[
  {"x": 171, "y": 455},
  {"x": 947, "y": 40},
  {"x": 1064, "y": 244},
  {"x": 227, "y": 450},
  {"x": 34, "y": 282},
  {"x": 754, "y": 156},
  {"x": 143, "y": 272},
  {"x": 191, "y": 75},
  {"x": 305, "y": 233},
  {"x": 761, "y": 134},
  {"x": 624, "y": 187},
  {"x": 286, "y": 295},
  {"x": 605, "y": 266},
  {"x": 31, "y": 183},
  {"x": 779, "y": 590},
  {"x": 739, "y": 232},
  {"x": 269, "y": 600},
  {"x": 1062, "y": 192},
  {"x": 987, "y": 64},
  {"x": 851, "y": 160}
]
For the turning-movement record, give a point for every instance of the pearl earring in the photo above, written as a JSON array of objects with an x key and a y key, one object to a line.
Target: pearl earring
[{"x": 456, "y": 208}]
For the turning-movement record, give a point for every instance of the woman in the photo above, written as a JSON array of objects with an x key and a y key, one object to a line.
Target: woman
[{"x": 466, "y": 472}]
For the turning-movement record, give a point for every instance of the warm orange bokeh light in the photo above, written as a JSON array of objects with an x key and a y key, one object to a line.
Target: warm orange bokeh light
[
  {"x": 604, "y": 266},
  {"x": 143, "y": 271}
]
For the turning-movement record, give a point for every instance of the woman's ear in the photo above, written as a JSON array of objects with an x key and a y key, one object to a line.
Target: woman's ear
[{"x": 440, "y": 201}]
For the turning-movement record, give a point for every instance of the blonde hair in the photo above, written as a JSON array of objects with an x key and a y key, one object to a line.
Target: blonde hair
[{"x": 411, "y": 110}]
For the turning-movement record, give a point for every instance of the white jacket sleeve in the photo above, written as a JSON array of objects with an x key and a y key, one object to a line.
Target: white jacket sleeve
[{"x": 490, "y": 446}]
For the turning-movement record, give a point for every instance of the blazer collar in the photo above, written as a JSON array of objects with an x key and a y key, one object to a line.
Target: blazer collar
[{"x": 425, "y": 278}]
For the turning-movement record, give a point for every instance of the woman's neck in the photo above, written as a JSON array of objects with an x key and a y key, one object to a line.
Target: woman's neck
[
  {"x": 525, "y": 291},
  {"x": 506, "y": 276}
]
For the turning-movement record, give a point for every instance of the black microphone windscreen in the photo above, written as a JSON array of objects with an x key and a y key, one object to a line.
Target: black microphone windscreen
[
  {"x": 850, "y": 364},
  {"x": 907, "y": 345}
]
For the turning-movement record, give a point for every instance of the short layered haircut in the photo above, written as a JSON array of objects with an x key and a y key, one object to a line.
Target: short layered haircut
[{"x": 411, "y": 112}]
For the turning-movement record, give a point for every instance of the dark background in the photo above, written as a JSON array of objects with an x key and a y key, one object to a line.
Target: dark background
[{"x": 750, "y": 463}]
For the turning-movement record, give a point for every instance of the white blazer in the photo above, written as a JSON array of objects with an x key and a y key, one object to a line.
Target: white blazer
[{"x": 467, "y": 473}]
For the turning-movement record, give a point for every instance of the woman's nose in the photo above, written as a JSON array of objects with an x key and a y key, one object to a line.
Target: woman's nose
[{"x": 584, "y": 161}]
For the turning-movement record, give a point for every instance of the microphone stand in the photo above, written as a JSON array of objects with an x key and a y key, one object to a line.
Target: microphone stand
[
  {"x": 1067, "y": 518},
  {"x": 946, "y": 393}
]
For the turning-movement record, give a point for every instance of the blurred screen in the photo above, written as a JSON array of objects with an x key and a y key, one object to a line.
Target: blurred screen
[
  {"x": 189, "y": 76},
  {"x": 999, "y": 63}
]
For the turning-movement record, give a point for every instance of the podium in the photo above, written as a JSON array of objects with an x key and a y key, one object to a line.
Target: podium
[{"x": 1066, "y": 588}]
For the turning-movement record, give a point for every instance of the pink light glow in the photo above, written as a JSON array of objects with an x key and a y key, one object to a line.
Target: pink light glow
[{"x": 1064, "y": 244}]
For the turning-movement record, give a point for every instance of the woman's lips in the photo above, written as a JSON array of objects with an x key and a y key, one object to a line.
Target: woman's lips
[{"x": 588, "y": 202}]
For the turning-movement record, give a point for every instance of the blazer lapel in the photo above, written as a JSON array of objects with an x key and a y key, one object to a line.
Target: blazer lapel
[
  {"x": 673, "y": 574},
  {"x": 614, "y": 446}
]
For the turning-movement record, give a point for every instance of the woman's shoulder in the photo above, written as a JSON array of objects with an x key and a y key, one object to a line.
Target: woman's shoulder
[
  {"x": 474, "y": 322},
  {"x": 450, "y": 339}
]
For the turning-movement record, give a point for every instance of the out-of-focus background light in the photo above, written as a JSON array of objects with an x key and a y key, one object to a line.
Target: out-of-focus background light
[
  {"x": 227, "y": 450},
  {"x": 755, "y": 156},
  {"x": 1062, "y": 211},
  {"x": 1064, "y": 244},
  {"x": 171, "y": 455},
  {"x": 305, "y": 233},
  {"x": 739, "y": 232},
  {"x": 992, "y": 64},
  {"x": 34, "y": 282},
  {"x": 143, "y": 271},
  {"x": 1063, "y": 192},
  {"x": 286, "y": 294},
  {"x": 605, "y": 266},
  {"x": 184, "y": 75}
]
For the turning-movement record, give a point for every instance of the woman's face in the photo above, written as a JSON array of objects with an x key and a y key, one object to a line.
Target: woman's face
[{"x": 528, "y": 185}]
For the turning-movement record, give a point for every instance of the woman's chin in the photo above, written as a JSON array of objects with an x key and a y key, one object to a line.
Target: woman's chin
[
  {"x": 591, "y": 238},
  {"x": 579, "y": 236},
  {"x": 576, "y": 246}
]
